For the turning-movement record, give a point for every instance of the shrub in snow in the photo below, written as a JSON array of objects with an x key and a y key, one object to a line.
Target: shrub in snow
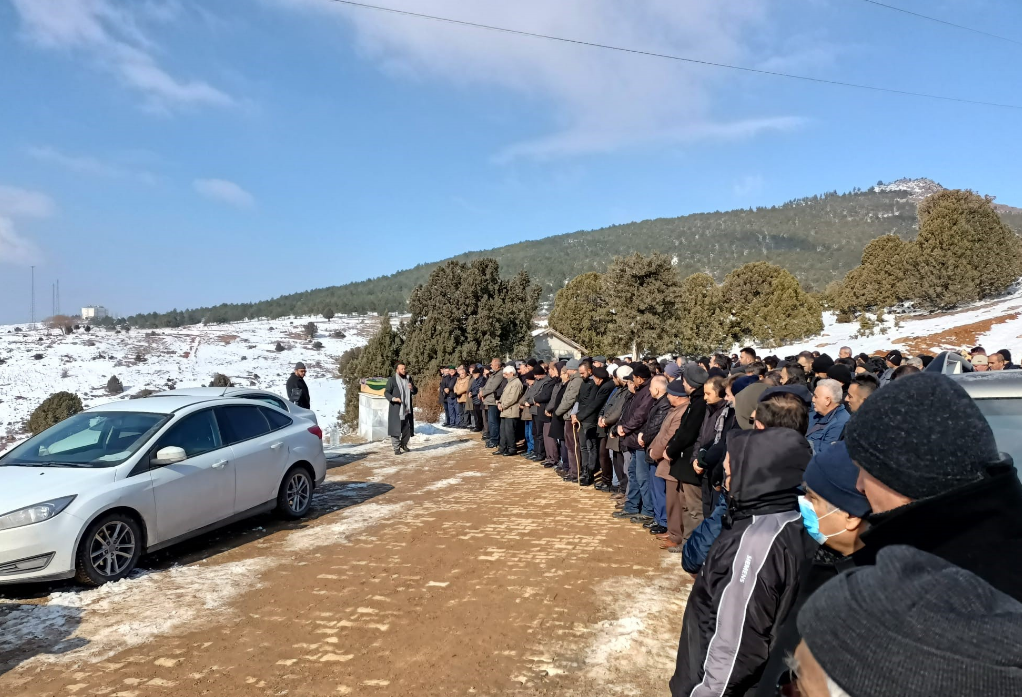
[
  {"x": 139, "y": 358},
  {"x": 17, "y": 330},
  {"x": 221, "y": 380},
  {"x": 310, "y": 330},
  {"x": 114, "y": 386},
  {"x": 317, "y": 344},
  {"x": 338, "y": 334},
  {"x": 64, "y": 373},
  {"x": 53, "y": 410},
  {"x": 90, "y": 342},
  {"x": 38, "y": 356},
  {"x": 88, "y": 329},
  {"x": 279, "y": 347},
  {"x": 142, "y": 393},
  {"x": 328, "y": 314},
  {"x": 243, "y": 358}
]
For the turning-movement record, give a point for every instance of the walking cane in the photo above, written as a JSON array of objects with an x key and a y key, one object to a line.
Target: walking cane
[{"x": 576, "y": 427}]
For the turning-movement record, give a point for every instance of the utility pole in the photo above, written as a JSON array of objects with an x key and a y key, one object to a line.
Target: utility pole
[
  {"x": 58, "y": 296},
  {"x": 33, "y": 297}
]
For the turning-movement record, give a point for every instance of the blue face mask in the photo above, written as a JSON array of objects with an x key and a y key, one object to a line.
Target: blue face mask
[{"x": 812, "y": 522}]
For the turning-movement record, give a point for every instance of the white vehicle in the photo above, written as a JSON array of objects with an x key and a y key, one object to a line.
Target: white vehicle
[
  {"x": 244, "y": 393},
  {"x": 88, "y": 496}
]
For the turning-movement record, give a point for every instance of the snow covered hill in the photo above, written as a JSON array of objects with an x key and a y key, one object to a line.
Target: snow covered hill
[{"x": 163, "y": 358}]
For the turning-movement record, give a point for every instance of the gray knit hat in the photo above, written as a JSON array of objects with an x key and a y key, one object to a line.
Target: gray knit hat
[
  {"x": 921, "y": 436},
  {"x": 914, "y": 625},
  {"x": 696, "y": 375}
]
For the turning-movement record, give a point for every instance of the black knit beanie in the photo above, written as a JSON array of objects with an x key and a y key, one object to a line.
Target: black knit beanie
[
  {"x": 823, "y": 363},
  {"x": 922, "y": 436},
  {"x": 914, "y": 625}
]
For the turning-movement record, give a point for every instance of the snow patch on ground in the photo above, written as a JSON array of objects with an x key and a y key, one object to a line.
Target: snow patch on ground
[
  {"x": 355, "y": 521},
  {"x": 185, "y": 357},
  {"x": 451, "y": 481},
  {"x": 130, "y": 612}
]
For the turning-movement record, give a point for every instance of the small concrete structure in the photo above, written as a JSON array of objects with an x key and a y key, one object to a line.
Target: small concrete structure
[
  {"x": 372, "y": 417},
  {"x": 94, "y": 312},
  {"x": 552, "y": 345}
]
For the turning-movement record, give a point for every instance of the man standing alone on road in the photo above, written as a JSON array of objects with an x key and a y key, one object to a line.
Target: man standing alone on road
[
  {"x": 400, "y": 422},
  {"x": 297, "y": 390}
]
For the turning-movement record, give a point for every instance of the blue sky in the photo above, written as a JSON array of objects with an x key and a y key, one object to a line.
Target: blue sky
[{"x": 176, "y": 153}]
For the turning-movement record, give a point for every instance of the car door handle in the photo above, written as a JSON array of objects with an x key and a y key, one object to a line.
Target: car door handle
[
  {"x": 276, "y": 445},
  {"x": 219, "y": 464}
]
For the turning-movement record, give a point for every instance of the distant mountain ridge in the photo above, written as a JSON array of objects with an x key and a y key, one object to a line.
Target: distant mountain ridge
[{"x": 818, "y": 238}]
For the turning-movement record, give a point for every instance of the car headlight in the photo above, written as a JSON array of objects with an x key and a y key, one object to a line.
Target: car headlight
[{"x": 36, "y": 513}]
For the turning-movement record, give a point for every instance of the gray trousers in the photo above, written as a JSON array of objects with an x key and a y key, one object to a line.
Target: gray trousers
[{"x": 406, "y": 434}]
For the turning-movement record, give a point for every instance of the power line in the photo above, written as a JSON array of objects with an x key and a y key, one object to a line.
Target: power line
[
  {"x": 682, "y": 59},
  {"x": 944, "y": 22}
]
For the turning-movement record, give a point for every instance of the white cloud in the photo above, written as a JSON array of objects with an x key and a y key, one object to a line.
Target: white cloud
[
  {"x": 596, "y": 100},
  {"x": 109, "y": 32},
  {"x": 15, "y": 249},
  {"x": 24, "y": 203},
  {"x": 89, "y": 165},
  {"x": 16, "y": 202},
  {"x": 748, "y": 185},
  {"x": 224, "y": 191}
]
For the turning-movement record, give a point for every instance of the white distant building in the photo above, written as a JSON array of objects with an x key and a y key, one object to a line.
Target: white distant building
[{"x": 94, "y": 312}]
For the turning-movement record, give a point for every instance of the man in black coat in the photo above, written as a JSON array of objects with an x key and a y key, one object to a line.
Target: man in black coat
[
  {"x": 750, "y": 578},
  {"x": 930, "y": 467},
  {"x": 649, "y": 431},
  {"x": 400, "y": 420},
  {"x": 638, "y": 503},
  {"x": 592, "y": 397},
  {"x": 682, "y": 446},
  {"x": 297, "y": 390}
]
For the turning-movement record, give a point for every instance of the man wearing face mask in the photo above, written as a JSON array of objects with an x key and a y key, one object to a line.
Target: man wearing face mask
[{"x": 833, "y": 513}]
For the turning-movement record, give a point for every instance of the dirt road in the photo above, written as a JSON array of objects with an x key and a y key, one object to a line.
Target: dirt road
[{"x": 444, "y": 572}]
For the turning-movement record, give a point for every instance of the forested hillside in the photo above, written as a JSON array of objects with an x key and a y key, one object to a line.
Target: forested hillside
[{"x": 818, "y": 239}]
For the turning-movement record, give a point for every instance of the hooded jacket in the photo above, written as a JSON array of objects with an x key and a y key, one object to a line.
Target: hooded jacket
[
  {"x": 750, "y": 578},
  {"x": 634, "y": 416},
  {"x": 590, "y": 405},
  {"x": 493, "y": 385},
  {"x": 682, "y": 445}
]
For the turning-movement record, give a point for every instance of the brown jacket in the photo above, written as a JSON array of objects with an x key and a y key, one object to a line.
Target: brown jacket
[
  {"x": 461, "y": 388},
  {"x": 659, "y": 445}
]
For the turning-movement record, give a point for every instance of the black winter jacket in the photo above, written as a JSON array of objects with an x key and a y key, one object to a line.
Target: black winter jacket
[
  {"x": 591, "y": 401},
  {"x": 298, "y": 391},
  {"x": 542, "y": 396},
  {"x": 657, "y": 415},
  {"x": 977, "y": 527},
  {"x": 682, "y": 445},
  {"x": 634, "y": 416},
  {"x": 750, "y": 578}
]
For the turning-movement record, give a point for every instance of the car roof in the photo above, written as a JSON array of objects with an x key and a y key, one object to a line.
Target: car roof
[
  {"x": 157, "y": 405},
  {"x": 991, "y": 384},
  {"x": 214, "y": 391}
]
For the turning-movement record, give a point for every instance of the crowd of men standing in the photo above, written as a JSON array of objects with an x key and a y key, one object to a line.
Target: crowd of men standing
[{"x": 819, "y": 504}]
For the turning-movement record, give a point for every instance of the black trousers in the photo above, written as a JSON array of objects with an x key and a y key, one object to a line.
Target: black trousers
[
  {"x": 589, "y": 445},
  {"x": 508, "y": 438},
  {"x": 538, "y": 446},
  {"x": 406, "y": 434}
]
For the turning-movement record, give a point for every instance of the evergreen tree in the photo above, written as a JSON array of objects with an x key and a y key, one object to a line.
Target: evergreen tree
[
  {"x": 376, "y": 359},
  {"x": 467, "y": 312},
  {"x": 964, "y": 252},
  {"x": 643, "y": 295},
  {"x": 769, "y": 306},
  {"x": 581, "y": 313},
  {"x": 704, "y": 322}
]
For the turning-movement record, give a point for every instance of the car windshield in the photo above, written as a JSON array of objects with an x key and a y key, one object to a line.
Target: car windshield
[
  {"x": 1005, "y": 418},
  {"x": 96, "y": 439}
]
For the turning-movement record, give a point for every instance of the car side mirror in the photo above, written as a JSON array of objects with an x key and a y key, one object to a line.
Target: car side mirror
[{"x": 169, "y": 455}]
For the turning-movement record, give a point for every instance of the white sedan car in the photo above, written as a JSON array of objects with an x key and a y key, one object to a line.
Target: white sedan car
[
  {"x": 88, "y": 496},
  {"x": 264, "y": 396}
]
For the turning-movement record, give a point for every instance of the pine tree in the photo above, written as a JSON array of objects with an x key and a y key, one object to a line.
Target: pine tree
[
  {"x": 376, "y": 359},
  {"x": 581, "y": 313},
  {"x": 644, "y": 295},
  {"x": 769, "y": 307},
  {"x": 467, "y": 312},
  {"x": 964, "y": 251},
  {"x": 704, "y": 322}
]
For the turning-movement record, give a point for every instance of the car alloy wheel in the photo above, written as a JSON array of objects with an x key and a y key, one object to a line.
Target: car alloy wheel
[
  {"x": 299, "y": 492},
  {"x": 112, "y": 549}
]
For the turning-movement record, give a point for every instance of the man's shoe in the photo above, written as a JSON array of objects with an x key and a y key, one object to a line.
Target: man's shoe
[
  {"x": 571, "y": 478},
  {"x": 657, "y": 530},
  {"x": 397, "y": 452},
  {"x": 511, "y": 454},
  {"x": 548, "y": 465},
  {"x": 649, "y": 524},
  {"x": 406, "y": 449},
  {"x": 498, "y": 451},
  {"x": 623, "y": 514},
  {"x": 601, "y": 487},
  {"x": 639, "y": 518},
  {"x": 677, "y": 549},
  {"x": 667, "y": 544},
  {"x": 586, "y": 482}
]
